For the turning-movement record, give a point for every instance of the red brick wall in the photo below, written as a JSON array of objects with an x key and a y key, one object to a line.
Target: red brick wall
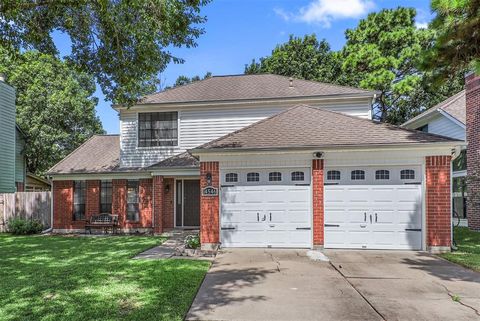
[
  {"x": 63, "y": 205},
  {"x": 168, "y": 203},
  {"x": 472, "y": 87},
  {"x": 92, "y": 206},
  {"x": 318, "y": 209},
  {"x": 438, "y": 201},
  {"x": 209, "y": 206},
  {"x": 145, "y": 194},
  {"x": 158, "y": 198},
  {"x": 20, "y": 186},
  {"x": 119, "y": 200}
]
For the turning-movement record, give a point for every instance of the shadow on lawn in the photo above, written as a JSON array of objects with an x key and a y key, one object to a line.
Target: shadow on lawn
[{"x": 59, "y": 278}]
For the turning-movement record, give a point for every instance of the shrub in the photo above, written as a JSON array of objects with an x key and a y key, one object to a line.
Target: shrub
[
  {"x": 21, "y": 226},
  {"x": 192, "y": 241}
]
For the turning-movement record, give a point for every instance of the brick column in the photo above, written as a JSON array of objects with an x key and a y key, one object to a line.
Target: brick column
[
  {"x": 62, "y": 204},
  {"x": 472, "y": 95},
  {"x": 119, "y": 200},
  {"x": 145, "y": 194},
  {"x": 92, "y": 198},
  {"x": 209, "y": 208},
  {"x": 438, "y": 203},
  {"x": 158, "y": 198},
  {"x": 168, "y": 204},
  {"x": 318, "y": 209}
]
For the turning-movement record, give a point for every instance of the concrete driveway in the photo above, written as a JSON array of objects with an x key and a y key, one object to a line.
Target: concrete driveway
[{"x": 267, "y": 284}]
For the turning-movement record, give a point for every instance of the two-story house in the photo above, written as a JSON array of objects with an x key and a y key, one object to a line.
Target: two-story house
[
  {"x": 263, "y": 161},
  {"x": 12, "y": 143}
]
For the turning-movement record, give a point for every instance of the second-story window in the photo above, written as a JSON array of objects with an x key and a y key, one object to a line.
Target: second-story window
[{"x": 158, "y": 129}]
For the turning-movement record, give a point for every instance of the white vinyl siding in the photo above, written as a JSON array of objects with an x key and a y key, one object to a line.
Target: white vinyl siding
[
  {"x": 199, "y": 125},
  {"x": 446, "y": 127}
]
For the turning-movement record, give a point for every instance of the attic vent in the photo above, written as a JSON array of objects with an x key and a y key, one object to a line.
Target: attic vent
[{"x": 291, "y": 82}]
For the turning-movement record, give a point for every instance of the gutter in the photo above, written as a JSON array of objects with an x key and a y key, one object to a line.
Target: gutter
[{"x": 197, "y": 151}]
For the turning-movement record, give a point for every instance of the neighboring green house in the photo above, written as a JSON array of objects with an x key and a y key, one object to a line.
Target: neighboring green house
[{"x": 12, "y": 143}]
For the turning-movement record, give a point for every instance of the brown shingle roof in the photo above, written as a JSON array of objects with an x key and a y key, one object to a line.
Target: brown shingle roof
[
  {"x": 99, "y": 154},
  {"x": 257, "y": 86},
  {"x": 181, "y": 160},
  {"x": 305, "y": 126},
  {"x": 455, "y": 106}
]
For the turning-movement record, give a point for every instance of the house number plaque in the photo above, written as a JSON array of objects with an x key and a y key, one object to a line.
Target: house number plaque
[{"x": 210, "y": 191}]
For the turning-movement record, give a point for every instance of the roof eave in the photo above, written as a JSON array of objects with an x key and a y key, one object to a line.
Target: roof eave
[
  {"x": 367, "y": 94},
  {"x": 453, "y": 143}
]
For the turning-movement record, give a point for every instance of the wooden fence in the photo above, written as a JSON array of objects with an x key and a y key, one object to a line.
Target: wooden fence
[{"x": 28, "y": 205}]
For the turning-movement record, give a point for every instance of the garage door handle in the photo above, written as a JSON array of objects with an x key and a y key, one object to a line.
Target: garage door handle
[
  {"x": 413, "y": 229},
  {"x": 332, "y": 225},
  {"x": 228, "y": 228},
  {"x": 303, "y": 228}
]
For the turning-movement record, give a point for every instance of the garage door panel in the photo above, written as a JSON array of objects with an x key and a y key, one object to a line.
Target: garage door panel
[
  {"x": 335, "y": 216},
  {"x": 409, "y": 218},
  {"x": 357, "y": 216},
  {"x": 282, "y": 209},
  {"x": 358, "y": 237},
  {"x": 299, "y": 216},
  {"x": 398, "y": 207}
]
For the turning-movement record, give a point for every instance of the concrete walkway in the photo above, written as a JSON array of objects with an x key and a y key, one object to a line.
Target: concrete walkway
[
  {"x": 168, "y": 248},
  {"x": 266, "y": 284}
]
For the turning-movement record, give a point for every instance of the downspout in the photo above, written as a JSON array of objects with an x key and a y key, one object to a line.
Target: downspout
[
  {"x": 50, "y": 229},
  {"x": 456, "y": 152}
]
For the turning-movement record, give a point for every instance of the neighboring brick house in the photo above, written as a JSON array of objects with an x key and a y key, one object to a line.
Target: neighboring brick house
[
  {"x": 451, "y": 118},
  {"x": 263, "y": 161}
]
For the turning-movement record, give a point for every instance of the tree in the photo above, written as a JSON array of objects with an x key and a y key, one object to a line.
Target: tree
[
  {"x": 183, "y": 80},
  {"x": 381, "y": 54},
  {"x": 55, "y": 107},
  {"x": 121, "y": 42},
  {"x": 456, "y": 46},
  {"x": 304, "y": 58}
]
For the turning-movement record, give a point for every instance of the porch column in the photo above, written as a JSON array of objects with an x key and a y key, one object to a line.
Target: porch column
[
  {"x": 209, "y": 207},
  {"x": 119, "y": 200},
  {"x": 158, "y": 199},
  {"x": 438, "y": 206},
  {"x": 318, "y": 208},
  {"x": 92, "y": 198}
]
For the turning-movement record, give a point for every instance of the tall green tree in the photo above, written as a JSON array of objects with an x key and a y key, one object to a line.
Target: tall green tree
[
  {"x": 382, "y": 53},
  {"x": 123, "y": 43},
  {"x": 304, "y": 58},
  {"x": 457, "y": 45},
  {"x": 55, "y": 106}
]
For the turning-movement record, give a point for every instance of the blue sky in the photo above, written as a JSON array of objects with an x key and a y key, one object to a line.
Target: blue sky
[{"x": 239, "y": 30}]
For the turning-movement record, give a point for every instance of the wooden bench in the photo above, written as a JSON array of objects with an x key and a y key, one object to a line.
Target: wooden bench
[{"x": 103, "y": 221}]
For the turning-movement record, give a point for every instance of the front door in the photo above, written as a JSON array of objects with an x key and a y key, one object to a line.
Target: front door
[{"x": 187, "y": 211}]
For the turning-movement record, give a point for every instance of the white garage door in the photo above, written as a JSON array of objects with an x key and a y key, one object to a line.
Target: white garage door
[
  {"x": 373, "y": 208},
  {"x": 262, "y": 212}
]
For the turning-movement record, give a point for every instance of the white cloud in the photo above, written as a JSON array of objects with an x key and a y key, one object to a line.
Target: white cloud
[
  {"x": 325, "y": 11},
  {"x": 282, "y": 14},
  {"x": 421, "y": 25}
]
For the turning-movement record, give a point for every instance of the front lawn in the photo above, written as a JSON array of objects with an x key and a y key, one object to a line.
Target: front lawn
[
  {"x": 92, "y": 278},
  {"x": 468, "y": 253}
]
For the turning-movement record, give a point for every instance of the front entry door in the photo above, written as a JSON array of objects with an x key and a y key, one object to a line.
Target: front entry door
[{"x": 187, "y": 203}]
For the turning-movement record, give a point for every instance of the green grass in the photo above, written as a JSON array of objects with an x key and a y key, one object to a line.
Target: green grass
[
  {"x": 83, "y": 278},
  {"x": 468, "y": 253}
]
